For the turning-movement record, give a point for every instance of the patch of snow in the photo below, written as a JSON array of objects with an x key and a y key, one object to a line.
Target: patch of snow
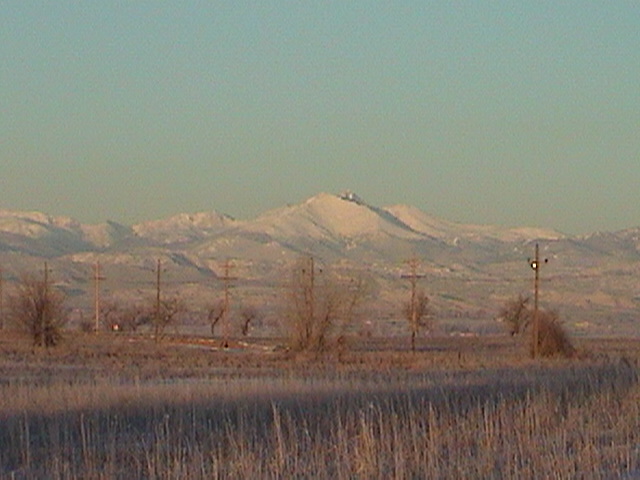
[
  {"x": 183, "y": 227},
  {"x": 452, "y": 232},
  {"x": 328, "y": 217}
]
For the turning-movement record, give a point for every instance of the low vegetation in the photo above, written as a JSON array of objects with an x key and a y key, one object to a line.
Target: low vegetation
[
  {"x": 126, "y": 407},
  {"x": 552, "y": 338},
  {"x": 516, "y": 314},
  {"x": 38, "y": 310},
  {"x": 320, "y": 307},
  {"x": 417, "y": 313},
  {"x": 123, "y": 405}
]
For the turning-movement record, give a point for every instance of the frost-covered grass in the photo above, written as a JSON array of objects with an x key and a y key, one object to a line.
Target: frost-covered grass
[
  {"x": 558, "y": 421},
  {"x": 126, "y": 407}
]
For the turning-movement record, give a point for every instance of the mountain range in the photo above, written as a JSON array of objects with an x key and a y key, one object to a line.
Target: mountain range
[{"x": 469, "y": 269}]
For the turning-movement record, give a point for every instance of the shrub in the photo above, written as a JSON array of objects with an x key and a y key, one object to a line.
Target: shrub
[
  {"x": 418, "y": 314},
  {"x": 516, "y": 314},
  {"x": 553, "y": 340},
  {"x": 319, "y": 307},
  {"x": 39, "y": 310}
]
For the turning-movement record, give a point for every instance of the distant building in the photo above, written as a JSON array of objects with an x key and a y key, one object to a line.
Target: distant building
[{"x": 351, "y": 197}]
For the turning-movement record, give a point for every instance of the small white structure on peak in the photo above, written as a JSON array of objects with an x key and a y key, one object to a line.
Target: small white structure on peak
[{"x": 351, "y": 197}]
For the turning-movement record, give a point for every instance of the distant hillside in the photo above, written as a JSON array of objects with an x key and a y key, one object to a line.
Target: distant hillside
[{"x": 470, "y": 269}]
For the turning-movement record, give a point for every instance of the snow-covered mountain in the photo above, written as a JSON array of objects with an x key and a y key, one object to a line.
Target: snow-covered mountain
[
  {"x": 332, "y": 227},
  {"x": 184, "y": 227},
  {"x": 453, "y": 232},
  {"x": 343, "y": 224},
  {"x": 44, "y": 235},
  {"x": 472, "y": 266},
  {"x": 330, "y": 216}
]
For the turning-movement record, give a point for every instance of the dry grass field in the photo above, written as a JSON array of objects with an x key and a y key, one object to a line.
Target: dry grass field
[{"x": 117, "y": 406}]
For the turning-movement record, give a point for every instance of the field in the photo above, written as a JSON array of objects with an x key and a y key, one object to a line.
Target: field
[{"x": 119, "y": 406}]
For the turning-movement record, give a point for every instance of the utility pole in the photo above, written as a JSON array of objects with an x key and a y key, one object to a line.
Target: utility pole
[
  {"x": 312, "y": 295},
  {"x": 46, "y": 276},
  {"x": 1, "y": 303},
  {"x": 308, "y": 282},
  {"x": 46, "y": 283},
  {"x": 157, "y": 322},
  {"x": 45, "y": 312},
  {"x": 227, "y": 279},
  {"x": 96, "y": 279},
  {"x": 413, "y": 279},
  {"x": 535, "y": 330}
]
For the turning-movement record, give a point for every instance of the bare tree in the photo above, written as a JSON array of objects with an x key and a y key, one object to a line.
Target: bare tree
[
  {"x": 124, "y": 316},
  {"x": 165, "y": 314},
  {"x": 552, "y": 337},
  {"x": 111, "y": 315},
  {"x": 320, "y": 306},
  {"x": 39, "y": 310},
  {"x": 215, "y": 313},
  {"x": 417, "y": 313},
  {"x": 553, "y": 340},
  {"x": 248, "y": 315},
  {"x": 416, "y": 310},
  {"x": 516, "y": 314}
]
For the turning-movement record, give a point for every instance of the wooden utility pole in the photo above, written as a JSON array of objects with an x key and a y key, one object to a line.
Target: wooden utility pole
[
  {"x": 157, "y": 322},
  {"x": 227, "y": 279},
  {"x": 96, "y": 279},
  {"x": 413, "y": 305},
  {"x": 312, "y": 295},
  {"x": 46, "y": 276},
  {"x": 1, "y": 303},
  {"x": 535, "y": 329},
  {"x": 45, "y": 312}
]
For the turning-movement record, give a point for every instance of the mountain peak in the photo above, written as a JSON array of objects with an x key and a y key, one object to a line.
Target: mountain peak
[
  {"x": 324, "y": 216},
  {"x": 345, "y": 195}
]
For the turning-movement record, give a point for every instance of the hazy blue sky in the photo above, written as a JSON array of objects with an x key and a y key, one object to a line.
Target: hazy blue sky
[{"x": 501, "y": 112}]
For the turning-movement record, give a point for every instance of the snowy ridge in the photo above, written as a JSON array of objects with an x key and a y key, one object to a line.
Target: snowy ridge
[
  {"x": 35, "y": 224},
  {"x": 57, "y": 233},
  {"x": 450, "y": 231},
  {"x": 183, "y": 227},
  {"x": 327, "y": 216},
  {"x": 341, "y": 226}
]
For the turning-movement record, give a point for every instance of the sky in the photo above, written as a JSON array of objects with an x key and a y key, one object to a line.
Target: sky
[{"x": 494, "y": 112}]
